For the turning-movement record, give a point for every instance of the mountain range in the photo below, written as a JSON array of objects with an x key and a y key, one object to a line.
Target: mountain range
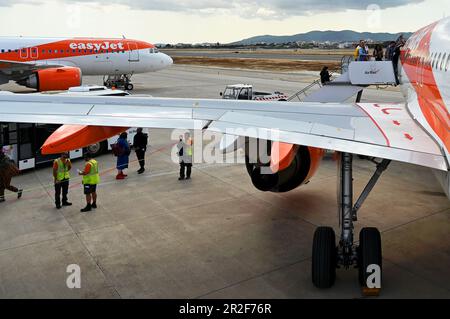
[{"x": 323, "y": 36}]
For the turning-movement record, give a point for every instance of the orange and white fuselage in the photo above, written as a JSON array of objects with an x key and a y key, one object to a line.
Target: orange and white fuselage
[
  {"x": 92, "y": 56},
  {"x": 424, "y": 75}
]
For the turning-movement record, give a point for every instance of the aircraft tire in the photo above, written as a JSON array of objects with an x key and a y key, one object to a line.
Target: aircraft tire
[
  {"x": 369, "y": 252},
  {"x": 324, "y": 257}
]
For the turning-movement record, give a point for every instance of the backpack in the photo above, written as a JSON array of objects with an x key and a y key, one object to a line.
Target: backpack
[
  {"x": 146, "y": 139},
  {"x": 116, "y": 149}
]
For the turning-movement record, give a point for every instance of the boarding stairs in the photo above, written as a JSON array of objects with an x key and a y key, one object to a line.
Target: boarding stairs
[
  {"x": 304, "y": 92},
  {"x": 354, "y": 78}
]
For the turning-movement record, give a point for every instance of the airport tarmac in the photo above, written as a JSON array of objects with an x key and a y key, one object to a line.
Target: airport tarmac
[
  {"x": 239, "y": 54},
  {"x": 216, "y": 236}
]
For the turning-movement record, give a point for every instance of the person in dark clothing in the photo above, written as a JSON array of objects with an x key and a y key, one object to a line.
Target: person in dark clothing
[
  {"x": 389, "y": 55},
  {"x": 7, "y": 170},
  {"x": 396, "y": 56},
  {"x": 140, "y": 142},
  {"x": 123, "y": 157},
  {"x": 378, "y": 52},
  {"x": 325, "y": 76}
]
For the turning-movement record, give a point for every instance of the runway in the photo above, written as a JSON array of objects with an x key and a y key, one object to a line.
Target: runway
[
  {"x": 216, "y": 236},
  {"x": 239, "y": 54}
]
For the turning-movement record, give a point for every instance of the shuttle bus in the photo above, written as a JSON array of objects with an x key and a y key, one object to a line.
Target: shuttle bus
[{"x": 22, "y": 141}]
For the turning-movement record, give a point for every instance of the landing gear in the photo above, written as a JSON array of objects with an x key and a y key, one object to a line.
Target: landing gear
[
  {"x": 118, "y": 81},
  {"x": 367, "y": 256}
]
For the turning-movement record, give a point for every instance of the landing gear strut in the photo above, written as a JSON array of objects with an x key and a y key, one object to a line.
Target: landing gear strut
[
  {"x": 118, "y": 81},
  {"x": 367, "y": 256}
]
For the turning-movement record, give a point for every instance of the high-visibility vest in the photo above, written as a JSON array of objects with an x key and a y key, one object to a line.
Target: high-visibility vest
[
  {"x": 93, "y": 177},
  {"x": 63, "y": 170},
  {"x": 189, "y": 147}
]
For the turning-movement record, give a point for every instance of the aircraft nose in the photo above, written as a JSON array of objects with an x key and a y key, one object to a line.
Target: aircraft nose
[{"x": 168, "y": 61}]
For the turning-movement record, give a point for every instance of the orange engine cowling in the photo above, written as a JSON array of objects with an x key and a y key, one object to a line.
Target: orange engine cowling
[
  {"x": 290, "y": 166},
  {"x": 53, "y": 79}
]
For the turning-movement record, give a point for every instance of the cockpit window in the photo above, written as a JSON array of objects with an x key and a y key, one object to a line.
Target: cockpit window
[{"x": 153, "y": 50}]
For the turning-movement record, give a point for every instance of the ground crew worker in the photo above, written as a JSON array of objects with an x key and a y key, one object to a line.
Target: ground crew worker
[
  {"x": 7, "y": 170},
  {"x": 140, "y": 142},
  {"x": 91, "y": 178},
  {"x": 61, "y": 177},
  {"x": 185, "y": 156}
]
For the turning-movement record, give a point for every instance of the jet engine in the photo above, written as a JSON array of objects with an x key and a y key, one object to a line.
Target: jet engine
[
  {"x": 53, "y": 79},
  {"x": 288, "y": 167}
]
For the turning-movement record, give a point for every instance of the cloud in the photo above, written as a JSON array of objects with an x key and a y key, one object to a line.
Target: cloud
[
  {"x": 285, "y": 6},
  {"x": 249, "y": 9}
]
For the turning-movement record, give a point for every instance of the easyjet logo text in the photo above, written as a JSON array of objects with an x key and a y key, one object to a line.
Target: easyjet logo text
[{"x": 97, "y": 46}]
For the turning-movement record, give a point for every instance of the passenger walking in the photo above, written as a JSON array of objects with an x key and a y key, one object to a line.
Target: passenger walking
[
  {"x": 325, "y": 76},
  {"x": 91, "y": 178},
  {"x": 185, "y": 156},
  {"x": 140, "y": 142},
  {"x": 363, "y": 52},
  {"x": 378, "y": 52},
  {"x": 7, "y": 170},
  {"x": 61, "y": 177},
  {"x": 123, "y": 156},
  {"x": 389, "y": 54}
]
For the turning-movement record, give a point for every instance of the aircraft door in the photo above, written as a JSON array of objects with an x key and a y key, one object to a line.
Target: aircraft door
[
  {"x": 34, "y": 53},
  {"x": 23, "y": 53},
  {"x": 133, "y": 51}
]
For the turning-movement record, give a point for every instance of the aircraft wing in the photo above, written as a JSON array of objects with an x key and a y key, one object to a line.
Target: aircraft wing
[
  {"x": 22, "y": 69},
  {"x": 378, "y": 130}
]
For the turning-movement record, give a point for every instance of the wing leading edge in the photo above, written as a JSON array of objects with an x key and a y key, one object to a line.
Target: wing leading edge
[{"x": 378, "y": 130}]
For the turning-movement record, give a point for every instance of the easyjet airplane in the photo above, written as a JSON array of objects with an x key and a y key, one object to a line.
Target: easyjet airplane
[
  {"x": 416, "y": 131},
  {"x": 49, "y": 64}
]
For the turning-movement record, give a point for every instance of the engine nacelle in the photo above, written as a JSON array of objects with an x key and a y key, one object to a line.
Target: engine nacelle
[
  {"x": 302, "y": 164},
  {"x": 53, "y": 79}
]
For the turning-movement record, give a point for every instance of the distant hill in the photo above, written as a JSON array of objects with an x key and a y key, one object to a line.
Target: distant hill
[{"x": 323, "y": 36}]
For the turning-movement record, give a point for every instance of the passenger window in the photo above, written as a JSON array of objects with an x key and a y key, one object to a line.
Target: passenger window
[
  {"x": 437, "y": 61},
  {"x": 447, "y": 66},
  {"x": 443, "y": 62}
]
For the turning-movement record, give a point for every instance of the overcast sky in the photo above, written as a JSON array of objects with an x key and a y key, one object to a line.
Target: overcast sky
[{"x": 195, "y": 21}]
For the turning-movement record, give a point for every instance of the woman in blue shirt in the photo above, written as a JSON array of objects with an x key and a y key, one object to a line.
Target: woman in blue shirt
[
  {"x": 124, "y": 155},
  {"x": 363, "y": 54}
]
